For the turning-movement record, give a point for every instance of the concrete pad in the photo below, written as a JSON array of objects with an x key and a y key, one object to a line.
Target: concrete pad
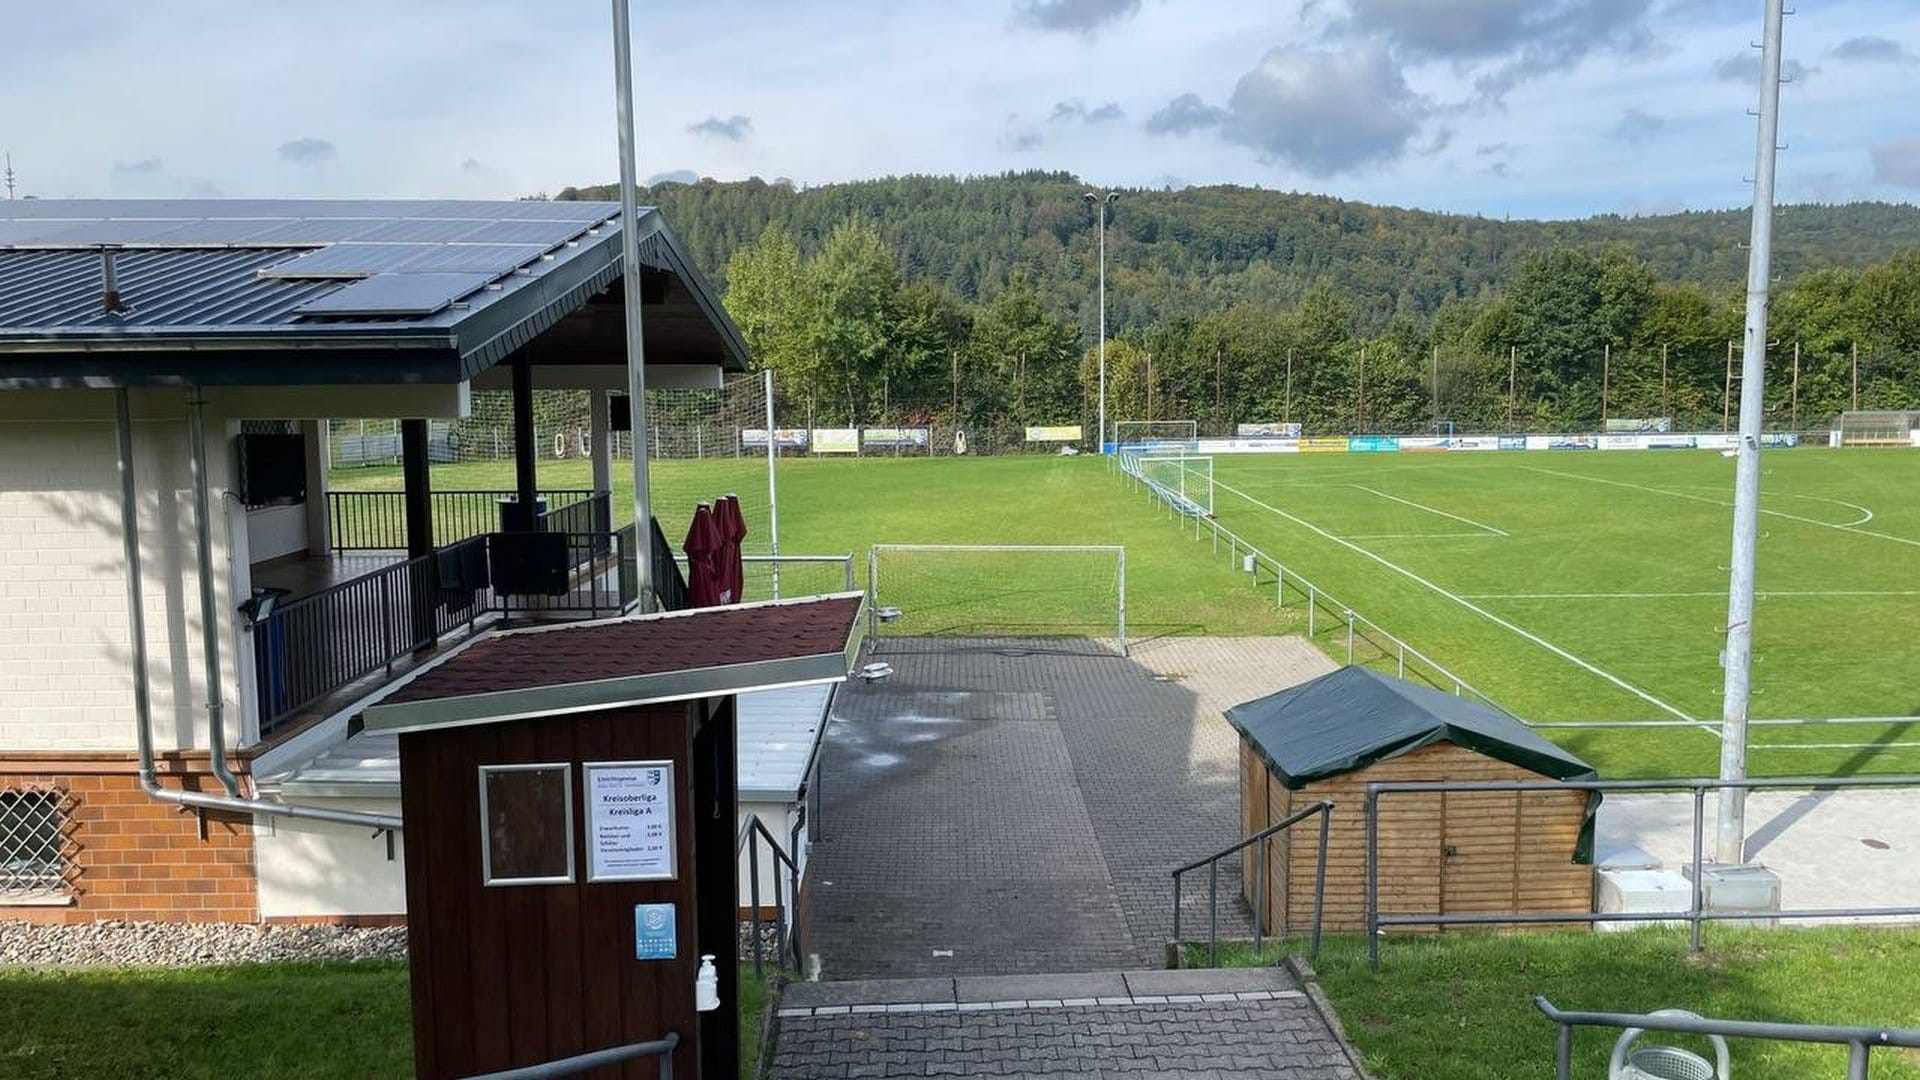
[
  {"x": 1206, "y": 981},
  {"x": 866, "y": 992},
  {"x": 1038, "y": 987}
]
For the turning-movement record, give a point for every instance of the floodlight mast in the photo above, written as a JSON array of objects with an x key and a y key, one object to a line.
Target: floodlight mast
[
  {"x": 631, "y": 295},
  {"x": 1100, "y": 204},
  {"x": 1730, "y": 826}
]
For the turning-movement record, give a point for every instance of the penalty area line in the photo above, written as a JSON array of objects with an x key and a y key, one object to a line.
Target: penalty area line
[
  {"x": 1432, "y": 510},
  {"x": 1473, "y": 607}
]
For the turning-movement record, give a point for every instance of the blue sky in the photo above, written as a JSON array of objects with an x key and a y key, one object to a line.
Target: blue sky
[{"x": 1524, "y": 107}]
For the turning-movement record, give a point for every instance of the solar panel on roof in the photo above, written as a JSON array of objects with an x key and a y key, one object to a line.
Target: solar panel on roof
[
  {"x": 544, "y": 233},
  {"x": 495, "y": 259},
  {"x": 315, "y": 231},
  {"x": 395, "y": 294},
  {"x": 116, "y": 231},
  {"x": 348, "y": 261},
  {"x": 422, "y": 230}
]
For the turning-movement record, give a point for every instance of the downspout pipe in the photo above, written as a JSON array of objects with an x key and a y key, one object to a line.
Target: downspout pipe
[
  {"x": 209, "y": 611},
  {"x": 142, "y": 701}
]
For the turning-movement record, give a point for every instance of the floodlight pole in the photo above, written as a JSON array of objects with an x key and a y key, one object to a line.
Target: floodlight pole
[
  {"x": 1730, "y": 833},
  {"x": 1100, "y": 204},
  {"x": 630, "y": 282}
]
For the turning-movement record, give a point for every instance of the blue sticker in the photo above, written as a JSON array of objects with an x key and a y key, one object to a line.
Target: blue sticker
[{"x": 654, "y": 932}]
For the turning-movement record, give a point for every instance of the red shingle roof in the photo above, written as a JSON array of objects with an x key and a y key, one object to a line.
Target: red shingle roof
[{"x": 711, "y": 638}]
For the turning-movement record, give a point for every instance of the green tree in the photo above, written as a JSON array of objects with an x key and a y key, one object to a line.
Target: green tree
[{"x": 850, "y": 292}]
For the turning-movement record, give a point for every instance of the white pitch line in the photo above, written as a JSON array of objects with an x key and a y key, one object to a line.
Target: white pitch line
[
  {"x": 1432, "y": 510},
  {"x": 1473, "y": 607},
  {"x": 1424, "y": 536},
  {"x": 1764, "y": 594},
  {"x": 1834, "y": 746},
  {"x": 1718, "y": 502}
]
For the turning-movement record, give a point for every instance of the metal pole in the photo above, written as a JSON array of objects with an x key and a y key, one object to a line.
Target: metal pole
[
  {"x": 1726, "y": 392},
  {"x": 1793, "y": 412},
  {"x": 1259, "y": 893},
  {"x": 1436, "y": 385},
  {"x": 1349, "y": 637},
  {"x": 1666, "y": 409},
  {"x": 1213, "y": 913},
  {"x": 1373, "y": 880},
  {"x": 1513, "y": 377},
  {"x": 1855, "y": 407},
  {"x": 631, "y": 300},
  {"x": 1121, "y": 573},
  {"x": 753, "y": 877},
  {"x": 1856, "y": 1061},
  {"x": 1563, "y": 1053},
  {"x": 1320, "y": 878},
  {"x": 209, "y": 613},
  {"x": 1730, "y": 836},
  {"x": 1176, "y": 910},
  {"x": 1699, "y": 844},
  {"x": 1606, "y": 383},
  {"x": 773, "y": 488},
  {"x": 1287, "y": 408}
]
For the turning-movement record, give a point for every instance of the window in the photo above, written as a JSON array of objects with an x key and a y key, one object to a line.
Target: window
[
  {"x": 526, "y": 824},
  {"x": 33, "y": 842}
]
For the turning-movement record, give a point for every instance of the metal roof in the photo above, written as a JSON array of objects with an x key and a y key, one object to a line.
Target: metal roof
[
  {"x": 778, "y": 738},
  {"x": 306, "y": 287}
]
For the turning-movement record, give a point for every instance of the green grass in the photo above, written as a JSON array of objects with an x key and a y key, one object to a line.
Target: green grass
[
  {"x": 1459, "y": 1006},
  {"x": 268, "y": 1020},
  {"x": 1508, "y": 569}
]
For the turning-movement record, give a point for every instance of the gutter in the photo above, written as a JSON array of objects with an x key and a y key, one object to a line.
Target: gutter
[{"x": 142, "y": 703}]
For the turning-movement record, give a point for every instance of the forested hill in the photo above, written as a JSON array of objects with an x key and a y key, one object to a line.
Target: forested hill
[{"x": 1174, "y": 253}]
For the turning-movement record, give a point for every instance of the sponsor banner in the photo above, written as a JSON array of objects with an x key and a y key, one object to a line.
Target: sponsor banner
[
  {"x": 1247, "y": 446},
  {"x": 1057, "y": 433},
  {"x": 1569, "y": 442},
  {"x": 1425, "y": 442},
  {"x": 1373, "y": 444},
  {"x": 893, "y": 436},
  {"x": 1717, "y": 440},
  {"x": 1324, "y": 444},
  {"x": 784, "y": 438},
  {"x": 1778, "y": 440},
  {"x": 1508, "y": 442},
  {"x": 1622, "y": 442},
  {"x": 1668, "y": 442},
  {"x": 1649, "y": 425},
  {"x": 1268, "y": 431},
  {"x": 836, "y": 440}
]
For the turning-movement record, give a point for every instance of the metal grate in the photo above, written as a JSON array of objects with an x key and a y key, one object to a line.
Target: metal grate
[{"x": 33, "y": 841}]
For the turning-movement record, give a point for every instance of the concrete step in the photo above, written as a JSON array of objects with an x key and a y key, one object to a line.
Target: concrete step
[{"x": 978, "y": 993}]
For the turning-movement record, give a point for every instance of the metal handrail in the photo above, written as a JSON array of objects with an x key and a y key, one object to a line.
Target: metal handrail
[
  {"x": 1324, "y": 810},
  {"x": 376, "y": 520},
  {"x": 750, "y": 830},
  {"x": 1858, "y": 1040},
  {"x": 661, "y": 1048},
  {"x": 1695, "y": 915}
]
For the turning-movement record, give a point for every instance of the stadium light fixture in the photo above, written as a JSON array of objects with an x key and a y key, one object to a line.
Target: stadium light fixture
[{"x": 1100, "y": 204}]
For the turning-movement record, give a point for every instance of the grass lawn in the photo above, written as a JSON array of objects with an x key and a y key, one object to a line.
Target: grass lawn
[
  {"x": 269, "y": 1020},
  {"x": 1459, "y": 1006},
  {"x": 1568, "y": 586}
]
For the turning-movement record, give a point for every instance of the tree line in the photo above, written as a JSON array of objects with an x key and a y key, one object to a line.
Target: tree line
[{"x": 1576, "y": 335}]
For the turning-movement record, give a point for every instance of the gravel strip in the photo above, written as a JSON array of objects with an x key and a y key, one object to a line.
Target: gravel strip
[{"x": 149, "y": 944}]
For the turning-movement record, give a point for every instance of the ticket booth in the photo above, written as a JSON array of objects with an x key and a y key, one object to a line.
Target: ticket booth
[{"x": 570, "y": 800}]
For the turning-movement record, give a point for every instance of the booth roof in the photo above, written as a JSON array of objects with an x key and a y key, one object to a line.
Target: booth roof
[
  {"x": 684, "y": 654},
  {"x": 1349, "y": 719}
]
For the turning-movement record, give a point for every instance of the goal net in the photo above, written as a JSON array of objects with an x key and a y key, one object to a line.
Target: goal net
[
  {"x": 1183, "y": 481},
  {"x": 1148, "y": 434},
  {"x": 998, "y": 591},
  {"x": 1878, "y": 427}
]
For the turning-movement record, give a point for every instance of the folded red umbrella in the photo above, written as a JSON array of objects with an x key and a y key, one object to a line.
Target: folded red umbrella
[
  {"x": 703, "y": 565},
  {"x": 733, "y": 532}
]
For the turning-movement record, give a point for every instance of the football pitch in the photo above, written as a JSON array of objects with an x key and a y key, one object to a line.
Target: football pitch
[
  {"x": 1592, "y": 586},
  {"x": 1568, "y": 586}
]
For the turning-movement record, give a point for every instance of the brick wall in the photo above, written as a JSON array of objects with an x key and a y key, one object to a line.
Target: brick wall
[{"x": 133, "y": 857}]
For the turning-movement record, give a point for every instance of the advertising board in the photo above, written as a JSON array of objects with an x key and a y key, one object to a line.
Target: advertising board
[{"x": 836, "y": 440}]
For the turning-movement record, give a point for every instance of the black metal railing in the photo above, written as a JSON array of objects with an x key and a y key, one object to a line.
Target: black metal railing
[
  {"x": 661, "y": 1048},
  {"x": 669, "y": 584},
  {"x": 311, "y": 647},
  {"x": 786, "y": 924},
  {"x": 1859, "y": 1041},
  {"x": 1324, "y": 810},
  {"x": 377, "y": 520}
]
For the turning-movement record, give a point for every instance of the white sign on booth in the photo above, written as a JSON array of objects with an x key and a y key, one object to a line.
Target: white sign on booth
[{"x": 630, "y": 833}]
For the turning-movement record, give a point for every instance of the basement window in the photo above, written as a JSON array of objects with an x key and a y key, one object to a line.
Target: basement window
[{"x": 33, "y": 845}]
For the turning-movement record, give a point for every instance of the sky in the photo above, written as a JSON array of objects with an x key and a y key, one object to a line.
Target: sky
[{"x": 1522, "y": 108}]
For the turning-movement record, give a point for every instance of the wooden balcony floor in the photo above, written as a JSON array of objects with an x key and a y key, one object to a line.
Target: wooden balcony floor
[{"x": 304, "y": 575}]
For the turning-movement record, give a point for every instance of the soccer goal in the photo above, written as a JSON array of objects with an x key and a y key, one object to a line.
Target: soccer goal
[
  {"x": 950, "y": 591},
  {"x": 1182, "y": 481},
  {"x": 1149, "y": 434},
  {"x": 1878, "y": 427}
]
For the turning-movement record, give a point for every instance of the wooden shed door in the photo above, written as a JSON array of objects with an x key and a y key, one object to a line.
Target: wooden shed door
[
  {"x": 1411, "y": 826},
  {"x": 1480, "y": 852}
]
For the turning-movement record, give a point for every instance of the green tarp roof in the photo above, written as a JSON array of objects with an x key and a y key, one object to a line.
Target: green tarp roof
[{"x": 1344, "y": 721}]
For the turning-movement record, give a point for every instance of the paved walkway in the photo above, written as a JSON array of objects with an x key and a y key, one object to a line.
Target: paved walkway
[
  {"x": 1013, "y": 806},
  {"x": 1832, "y": 849},
  {"x": 1230, "y": 1024}
]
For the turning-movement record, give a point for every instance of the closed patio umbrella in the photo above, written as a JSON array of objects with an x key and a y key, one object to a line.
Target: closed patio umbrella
[
  {"x": 733, "y": 531},
  {"x": 703, "y": 558}
]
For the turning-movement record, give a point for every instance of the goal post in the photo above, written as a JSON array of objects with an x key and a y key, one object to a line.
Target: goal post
[
  {"x": 998, "y": 590},
  {"x": 1147, "y": 434},
  {"x": 1183, "y": 481}
]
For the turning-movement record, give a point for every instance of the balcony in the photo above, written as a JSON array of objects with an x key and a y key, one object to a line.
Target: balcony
[{"x": 335, "y": 628}]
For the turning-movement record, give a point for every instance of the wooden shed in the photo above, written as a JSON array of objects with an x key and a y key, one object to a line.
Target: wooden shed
[{"x": 1441, "y": 852}]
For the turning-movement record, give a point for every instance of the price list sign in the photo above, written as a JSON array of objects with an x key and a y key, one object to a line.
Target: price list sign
[{"x": 630, "y": 833}]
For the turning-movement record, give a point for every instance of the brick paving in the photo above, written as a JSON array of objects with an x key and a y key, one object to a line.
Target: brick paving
[{"x": 1011, "y": 806}]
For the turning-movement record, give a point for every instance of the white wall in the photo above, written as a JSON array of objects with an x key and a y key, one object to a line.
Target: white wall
[
  {"x": 779, "y": 818},
  {"x": 319, "y": 868},
  {"x": 65, "y": 669},
  {"x": 273, "y": 531}
]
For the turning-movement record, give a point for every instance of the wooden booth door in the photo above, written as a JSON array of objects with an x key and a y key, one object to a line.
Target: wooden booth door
[
  {"x": 1411, "y": 838},
  {"x": 1479, "y": 852}
]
